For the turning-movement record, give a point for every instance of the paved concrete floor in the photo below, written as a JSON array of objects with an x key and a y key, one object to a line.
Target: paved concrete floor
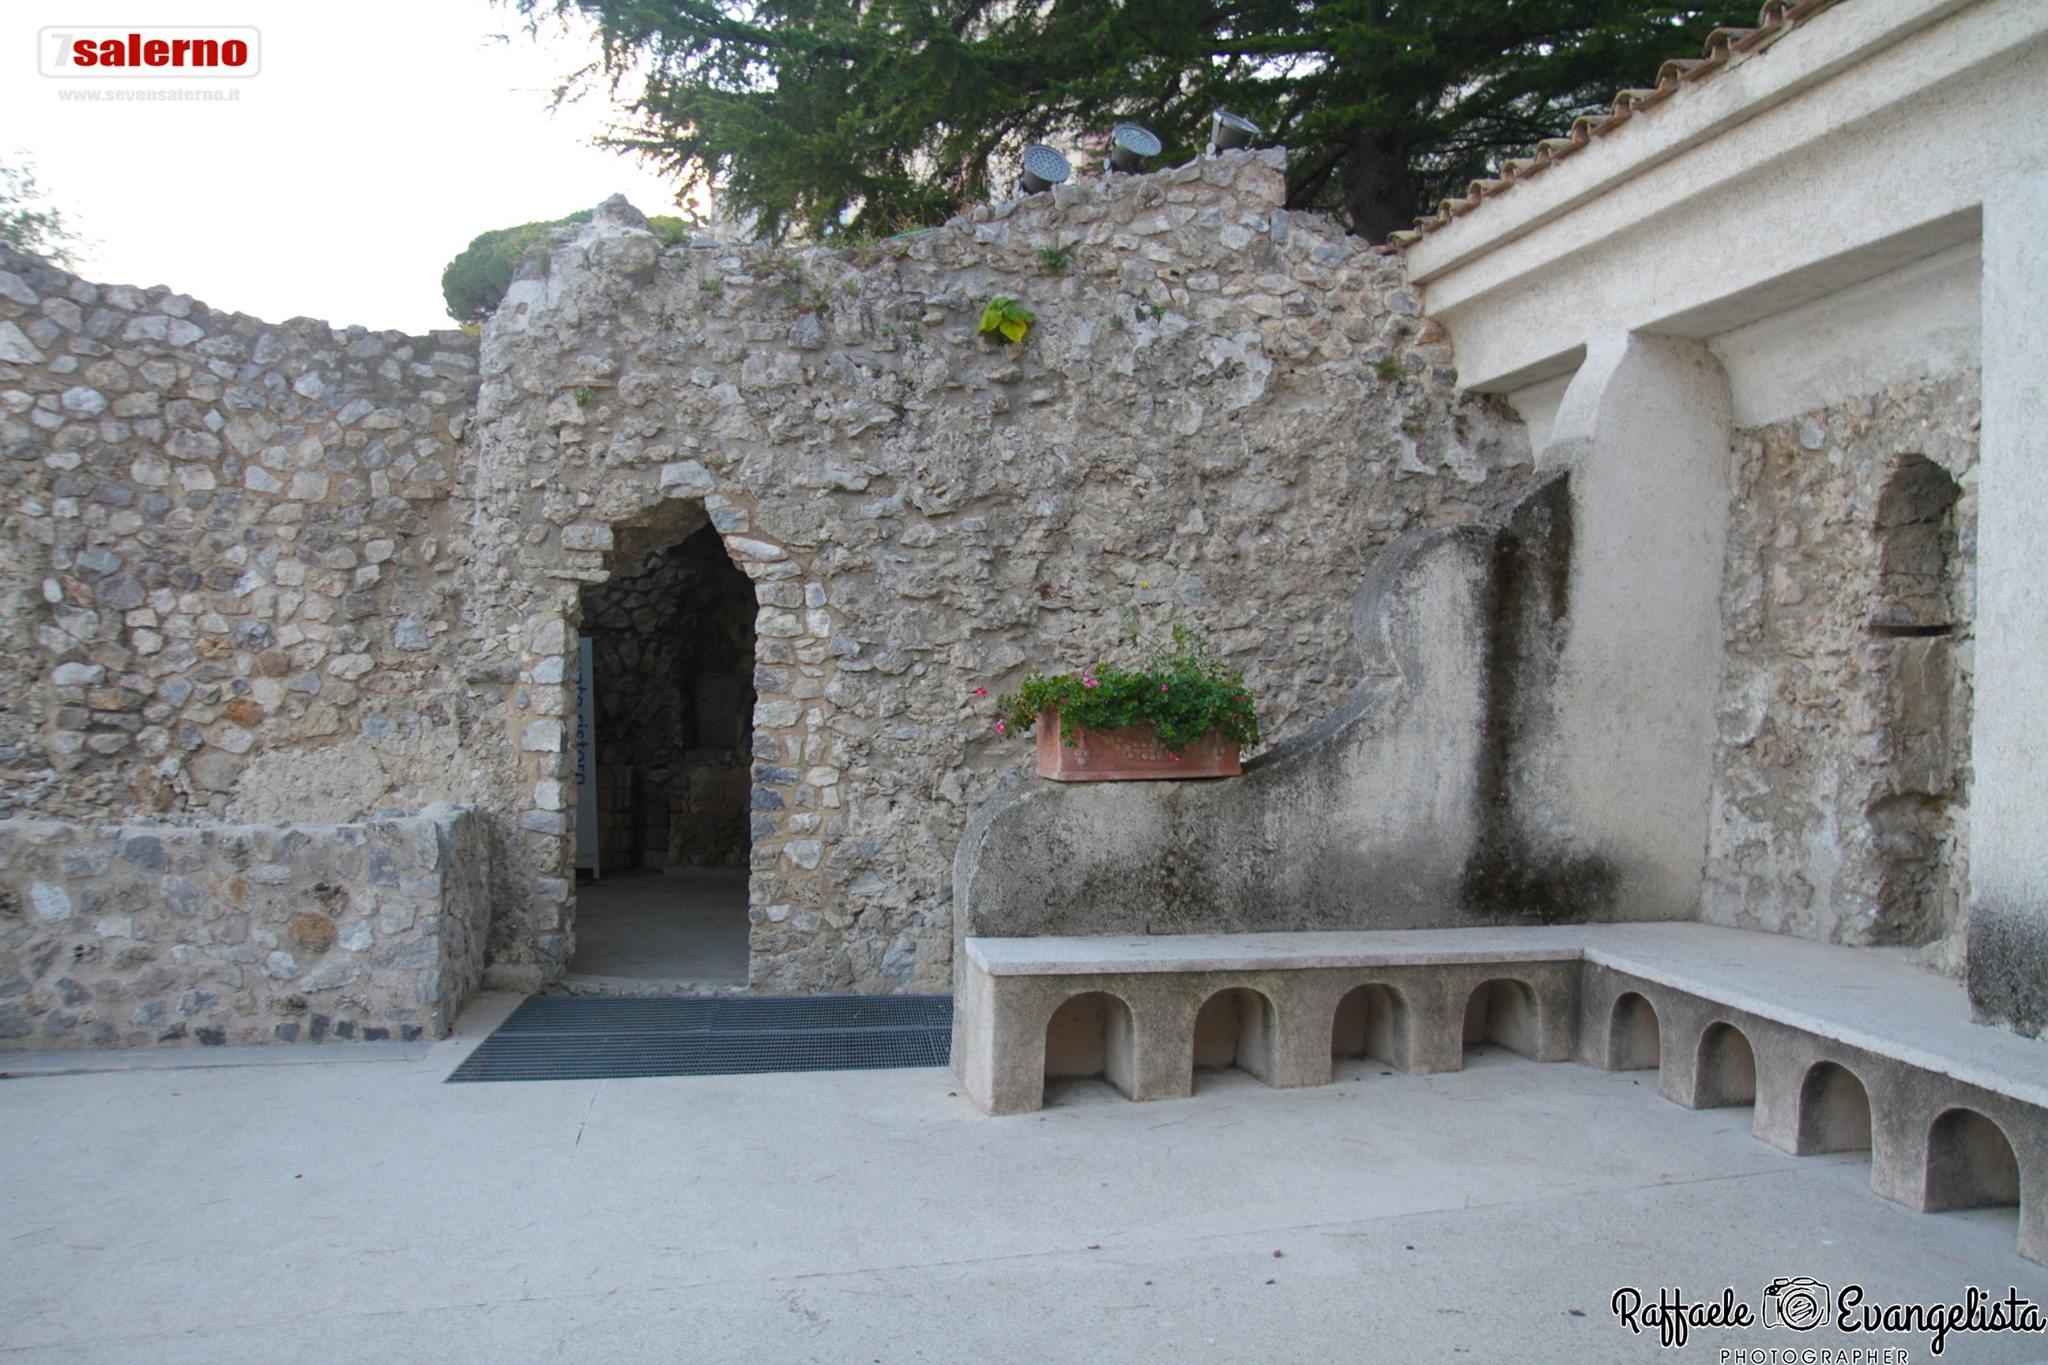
[
  {"x": 646, "y": 926},
  {"x": 359, "y": 1210}
]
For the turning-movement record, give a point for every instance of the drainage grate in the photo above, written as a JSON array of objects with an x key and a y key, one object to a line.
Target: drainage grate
[{"x": 586, "y": 1037}]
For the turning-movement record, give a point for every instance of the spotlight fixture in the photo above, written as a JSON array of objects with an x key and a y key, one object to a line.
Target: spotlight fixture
[
  {"x": 1043, "y": 168},
  {"x": 1228, "y": 131},
  {"x": 1130, "y": 147}
]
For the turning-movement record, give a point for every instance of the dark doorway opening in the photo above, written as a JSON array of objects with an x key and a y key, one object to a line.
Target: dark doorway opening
[{"x": 671, "y": 638}]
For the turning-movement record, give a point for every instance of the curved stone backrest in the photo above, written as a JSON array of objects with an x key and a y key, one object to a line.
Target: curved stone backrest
[{"x": 1395, "y": 811}]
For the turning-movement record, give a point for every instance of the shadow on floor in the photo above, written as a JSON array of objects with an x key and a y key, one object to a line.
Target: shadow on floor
[{"x": 652, "y": 927}]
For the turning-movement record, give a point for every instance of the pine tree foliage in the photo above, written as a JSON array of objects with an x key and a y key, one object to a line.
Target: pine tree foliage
[{"x": 874, "y": 116}]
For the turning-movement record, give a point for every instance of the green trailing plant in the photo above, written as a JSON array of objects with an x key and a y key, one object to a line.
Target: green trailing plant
[
  {"x": 1178, "y": 688},
  {"x": 1006, "y": 318}
]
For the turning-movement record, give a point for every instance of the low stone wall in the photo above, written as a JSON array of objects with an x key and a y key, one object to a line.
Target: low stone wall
[{"x": 139, "y": 935}]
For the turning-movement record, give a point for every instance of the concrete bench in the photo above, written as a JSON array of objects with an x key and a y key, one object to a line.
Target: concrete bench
[{"x": 1837, "y": 1048}]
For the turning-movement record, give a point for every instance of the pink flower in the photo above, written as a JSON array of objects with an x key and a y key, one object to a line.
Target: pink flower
[
  {"x": 1162, "y": 687},
  {"x": 981, "y": 691},
  {"x": 1087, "y": 681},
  {"x": 999, "y": 727}
]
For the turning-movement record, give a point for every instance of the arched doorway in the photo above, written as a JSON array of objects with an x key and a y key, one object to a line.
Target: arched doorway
[{"x": 665, "y": 650}]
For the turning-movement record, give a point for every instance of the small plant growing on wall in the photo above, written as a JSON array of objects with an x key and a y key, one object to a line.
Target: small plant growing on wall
[
  {"x": 1053, "y": 258},
  {"x": 582, "y": 394},
  {"x": 797, "y": 288},
  {"x": 1006, "y": 319}
]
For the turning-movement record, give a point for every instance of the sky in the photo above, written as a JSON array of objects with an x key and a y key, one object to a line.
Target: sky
[{"x": 378, "y": 138}]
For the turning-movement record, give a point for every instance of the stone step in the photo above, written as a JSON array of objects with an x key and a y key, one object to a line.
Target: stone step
[{"x": 1837, "y": 1048}]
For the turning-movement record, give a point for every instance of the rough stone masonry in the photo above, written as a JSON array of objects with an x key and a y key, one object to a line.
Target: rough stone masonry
[
  {"x": 1223, "y": 410},
  {"x": 1842, "y": 767},
  {"x": 271, "y": 574},
  {"x": 133, "y": 935}
]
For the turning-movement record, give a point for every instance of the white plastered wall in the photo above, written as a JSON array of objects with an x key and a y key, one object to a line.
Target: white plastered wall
[{"x": 1804, "y": 228}]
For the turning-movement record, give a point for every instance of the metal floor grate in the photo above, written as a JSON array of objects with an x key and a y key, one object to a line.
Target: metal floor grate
[{"x": 585, "y": 1037}]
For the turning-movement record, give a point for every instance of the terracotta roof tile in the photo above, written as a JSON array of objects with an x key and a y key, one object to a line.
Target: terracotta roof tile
[{"x": 1723, "y": 45}]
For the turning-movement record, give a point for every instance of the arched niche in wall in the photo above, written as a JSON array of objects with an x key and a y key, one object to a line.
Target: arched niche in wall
[
  {"x": 1916, "y": 620},
  {"x": 1917, "y": 591}
]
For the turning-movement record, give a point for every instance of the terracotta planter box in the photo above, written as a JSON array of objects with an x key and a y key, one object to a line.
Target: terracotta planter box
[{"x": 1131, "y": 754}]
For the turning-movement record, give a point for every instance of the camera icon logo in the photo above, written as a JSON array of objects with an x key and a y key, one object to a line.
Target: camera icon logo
[{"x": 1798, "y": 1303}]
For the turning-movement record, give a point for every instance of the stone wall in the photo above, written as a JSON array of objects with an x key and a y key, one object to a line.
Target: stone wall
[
  {"x": 142, "y": 934},
  {"x": 227, "y": 541},
  {"x": 278, "y": 573},
  {"x": 1843, "y": 765},
  {"x": 1223, "y": 410}
]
